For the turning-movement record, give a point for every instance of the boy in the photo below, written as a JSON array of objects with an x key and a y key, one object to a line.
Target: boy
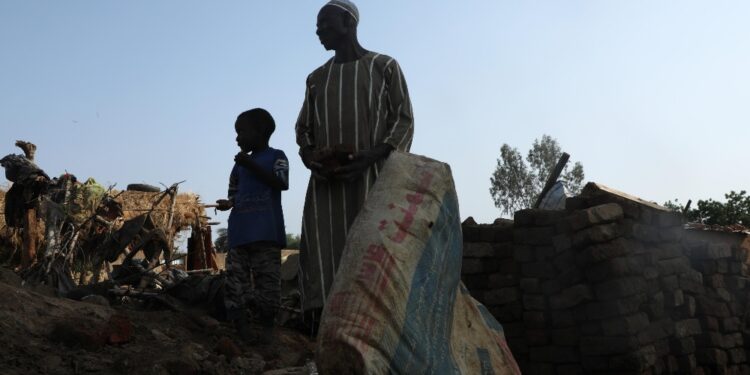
[{"x": 256, "y": 232}]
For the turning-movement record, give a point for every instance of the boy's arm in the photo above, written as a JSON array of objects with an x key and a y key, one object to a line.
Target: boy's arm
[
  {"x": 278, "y": 179},
  {"x": 225, "y": 204}
]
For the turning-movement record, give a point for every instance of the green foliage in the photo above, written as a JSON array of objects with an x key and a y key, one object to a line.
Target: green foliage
[
  {"x": 292, "y": 241},
  {"x": 516, "y": 183},
  {"x": 735, "y": 210},
  {"x": 221, "y": 243}
]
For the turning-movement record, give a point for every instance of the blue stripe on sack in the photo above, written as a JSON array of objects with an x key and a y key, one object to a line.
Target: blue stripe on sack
[
  {"x": 485, "y": 362},
  {"x": 424, "y": 344},
  {"x": 489, "y": 320}
]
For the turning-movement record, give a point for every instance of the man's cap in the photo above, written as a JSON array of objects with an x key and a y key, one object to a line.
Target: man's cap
[{"x": 347, "y": 6}]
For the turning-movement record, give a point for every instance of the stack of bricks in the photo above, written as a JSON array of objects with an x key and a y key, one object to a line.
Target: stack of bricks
[
  {"x": 613, "y": 284},
  {"x": 490, "y": 273}
]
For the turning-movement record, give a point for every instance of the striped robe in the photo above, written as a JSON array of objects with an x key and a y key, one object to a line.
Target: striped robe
[{"x": 361, "y": 103}]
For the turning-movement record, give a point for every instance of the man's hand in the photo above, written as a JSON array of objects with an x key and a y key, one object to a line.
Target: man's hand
[
  {"x": 306, "y": 153},
  {"x": 223, "y": 204},
  {"x": 361, "y": 161}
]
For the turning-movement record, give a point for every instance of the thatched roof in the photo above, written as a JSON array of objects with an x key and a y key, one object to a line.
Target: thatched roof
[{"x": 187, "y": 209}]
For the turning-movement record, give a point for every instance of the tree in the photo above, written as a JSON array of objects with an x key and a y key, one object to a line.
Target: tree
[
  {"x": 221, "y": 242},
  {"x": 516, "y": 185},
  {"x": 736, "y": 210},
  {"x": 292, "y": 241}
]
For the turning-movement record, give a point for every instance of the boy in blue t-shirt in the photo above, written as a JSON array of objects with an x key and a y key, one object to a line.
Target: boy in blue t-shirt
[{"x": 256, "y": 232}]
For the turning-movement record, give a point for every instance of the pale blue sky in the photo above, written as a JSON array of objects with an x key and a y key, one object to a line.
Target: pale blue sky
[{"x": 651, "y": 96}]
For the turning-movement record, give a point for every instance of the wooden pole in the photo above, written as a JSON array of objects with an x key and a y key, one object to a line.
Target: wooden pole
[{"x": 552, "y": 178}]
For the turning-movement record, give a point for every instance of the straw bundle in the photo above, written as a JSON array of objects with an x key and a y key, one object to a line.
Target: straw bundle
[{"x": 188, "y": 209}]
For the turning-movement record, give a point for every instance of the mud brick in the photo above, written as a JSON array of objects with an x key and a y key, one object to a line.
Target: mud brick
[
  {"x": 668, "y": 251},
  {"x": 596, "y": 234},
  {"x": 737, "y": 355},
  {"x": 681, "y": 346},
  {"x": 540, "y": 368},
  {"x": 672, "y": 364},
  {"x": 735, "y": 282},
  {"x": 731, "y": 324},
  {"x": 735, "y": 268},
  {"x": 711, "y": 356},
  {"x": 470, "y": 232},
  {"x": 686, "y": 328},
  {"x": 724, "y": 295},
  {"x": 564, "y": 261},
  {"x": 553, "y": 354},
  {"x": 655, "y": 306},
  {"x": 525, "y": 217},
  {"x": 534, "y": 319},
  {"x": 594, "y": 363},
  {"x": 603, "y": 251},
  {"x": 565, "y": 336},
  {"x": 534, "y": 302},
  {"x": 472, "y": 266},
  {"x": 544, "y": 253},
  {"x": 656, "y": 331},
  {"x": 687, "y": 363},
  {"x": 503, "y": 250},
  {"x": 671, "y": 234},
  {"x": 709, "y": 323},
  {"x": 514, "y": 330},
  {"x": 732, "y": 340},
  {"x": 712, "y": 251},
  {"x": 625, "y": 326},
  {"x": 571, "y": 296},
  {"x": 708, "y": 306},
  {"x": 670, "y": 283},
  {"x": 668, "y": 219},
  {"x": 674, "y": 266},
  {"x": 508, "y": 313},
  {"x": 608, "y": 269},
  {"x": 687, "y": 310},
  {"x": 478, "y": 250},
  {"x": 561, "y": 243},
  {"x": 692, "y": 282},
  {"x": 614, "y": 289},
  {"x": 561, "y": 319},
  {"x": 576, "y": 203},
  {"x": 518, "y": 345},
  {"x": 501, "y": 296},
  {"x": 637, "y": 361},
  {"x": 502, "y": 279},
  {"x": 551, "y": 287},
  {"x": 706, "y": 267},
  {"x": 504, "y": 234},
  {"x": 625, "y": 306},
  {"x": 593, "y": 346},
  {"x": 662, "y": 348},
  {"x": 530, "y": 285},
  {"x": 674, "y": 298},
  {"x": 523, "y": 253},
  {"x": 538, "y": 269},
  {"x": 716, "y": 280},
  {"x": 568, "y": 369},
  {"x": 645, "y": 232},
  {"x": 486, "y": 233},
  {"x": 533, "y": 236},
  {"x": 709, "y": 340},
  {"x": 600, "y": 214},
  {"x": 570, "y": 277},
  {"x": 590, "y": 328},
  {"x": 535, "y": 337}
]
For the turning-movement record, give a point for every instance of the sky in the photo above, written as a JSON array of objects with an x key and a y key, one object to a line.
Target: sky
[{"x": 650, "y": 96}]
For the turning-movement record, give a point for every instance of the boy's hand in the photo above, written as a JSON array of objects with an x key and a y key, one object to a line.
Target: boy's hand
[
  {"x": 244, "y": 160},
  {"x": 223, "y": 204}
]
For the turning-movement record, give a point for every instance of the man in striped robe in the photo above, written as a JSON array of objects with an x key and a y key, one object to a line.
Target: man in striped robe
[{"x": 358, "y": 100}]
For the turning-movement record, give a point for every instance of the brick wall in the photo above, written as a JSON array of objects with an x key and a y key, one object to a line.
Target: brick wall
[{"x": 612, "y": 284}]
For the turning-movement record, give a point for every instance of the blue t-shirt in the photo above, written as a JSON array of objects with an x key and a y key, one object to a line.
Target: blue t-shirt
[{"x": 256, "y": 212}]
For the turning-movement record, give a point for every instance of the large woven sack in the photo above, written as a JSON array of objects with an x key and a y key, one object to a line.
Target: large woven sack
[{"x": 397, "y": 305}]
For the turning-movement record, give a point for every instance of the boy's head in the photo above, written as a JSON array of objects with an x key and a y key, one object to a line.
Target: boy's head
[{"x": 254, "y": 128}]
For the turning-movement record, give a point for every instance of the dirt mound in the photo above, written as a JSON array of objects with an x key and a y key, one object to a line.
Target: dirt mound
[{"x": 44, "y": 334}]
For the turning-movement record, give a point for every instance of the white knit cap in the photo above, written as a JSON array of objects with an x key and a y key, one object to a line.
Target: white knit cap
[{"x": 347, "y": 6}]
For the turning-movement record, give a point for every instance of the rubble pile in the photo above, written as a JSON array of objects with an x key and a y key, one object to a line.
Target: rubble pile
[{"x": 612, "y": 284}]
